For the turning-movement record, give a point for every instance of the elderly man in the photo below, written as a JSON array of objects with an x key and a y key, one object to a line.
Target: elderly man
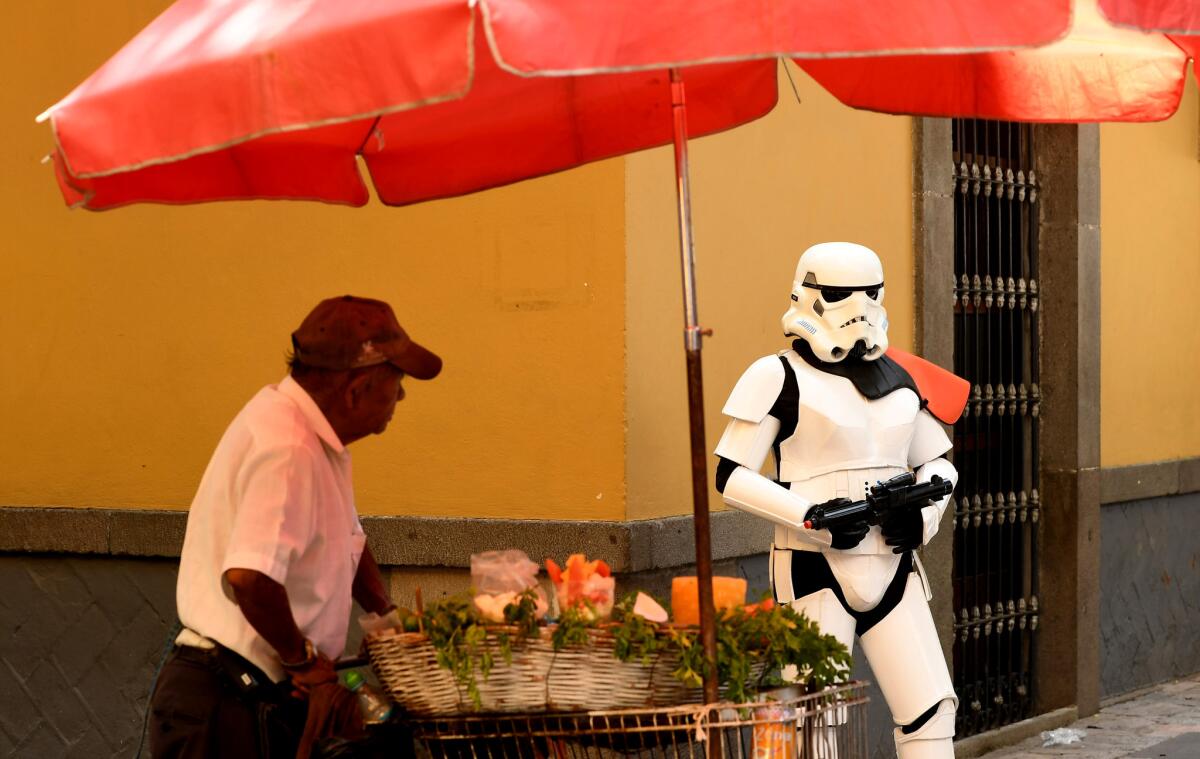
[{"x": 274, "y": 551}]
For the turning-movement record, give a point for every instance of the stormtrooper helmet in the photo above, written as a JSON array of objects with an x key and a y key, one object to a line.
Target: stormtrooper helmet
[{"x": 837, "y": 302}]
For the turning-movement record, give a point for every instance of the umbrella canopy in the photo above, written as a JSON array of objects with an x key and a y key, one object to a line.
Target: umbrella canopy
[
  {"x": 1098, "y": 72},
  {"x": 1175, "y": 16},
  {"x": 278, "y": 98},
  {"x": 1178, "y": 19}
]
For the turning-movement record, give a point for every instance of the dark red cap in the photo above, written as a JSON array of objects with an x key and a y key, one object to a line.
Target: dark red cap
[{"x": 349, "y": 332}]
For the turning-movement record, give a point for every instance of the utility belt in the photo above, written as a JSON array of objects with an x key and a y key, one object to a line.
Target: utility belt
[
  {"x": 234, "y": 670},
  {"x": 280, "y": 716},
  {"x": 799, "y": 574}
]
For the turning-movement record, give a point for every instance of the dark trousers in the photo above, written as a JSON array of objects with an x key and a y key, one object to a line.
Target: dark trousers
[{"x": 213, "y": 703}]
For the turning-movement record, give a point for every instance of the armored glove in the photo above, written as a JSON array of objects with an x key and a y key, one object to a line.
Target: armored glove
[
  {"x": 846, "y": 535},
  {"x": 903, "y": 530}
]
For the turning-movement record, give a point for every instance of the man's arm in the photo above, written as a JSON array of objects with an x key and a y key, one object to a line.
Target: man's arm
[
  {"x": 369, "y": 588},
  {"x": 264, "y": 604}
]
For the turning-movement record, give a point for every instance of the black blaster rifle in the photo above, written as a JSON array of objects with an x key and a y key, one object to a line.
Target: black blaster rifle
[{"x": 900, "y": 492}]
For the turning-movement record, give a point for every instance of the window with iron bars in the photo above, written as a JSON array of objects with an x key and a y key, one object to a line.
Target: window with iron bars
[{"x": 996, "y": 441}]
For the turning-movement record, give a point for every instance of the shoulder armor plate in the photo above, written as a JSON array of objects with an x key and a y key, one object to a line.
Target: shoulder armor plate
[
  {"x": 756, "y": 391},
  {"x": 944, "y": 392}
]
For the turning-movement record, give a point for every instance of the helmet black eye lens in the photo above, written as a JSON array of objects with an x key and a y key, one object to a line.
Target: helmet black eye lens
[
  {"x": 833, "y": 296},
  {"x": 873, "y": 294}
]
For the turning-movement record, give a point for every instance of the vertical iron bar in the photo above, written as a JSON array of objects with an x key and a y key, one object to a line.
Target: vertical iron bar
[
  {"x": 1003, "y": 466},
  {"x": 990, "y": 379},
  {"x": 1004, "y": 246},
  {"x": 985, "y": 379},
  {"x": 692, "y": 339},
  {"x": 1029, "y": 337},
  {"x": 979, "y": 704},
  {"x": 1035, "y": 370},
  {"x": 959, "y": 512},
  {"x": 972, "y": 554},
  {"x": 995, "y": 421},
  {"x": 1014, "y": 436}
]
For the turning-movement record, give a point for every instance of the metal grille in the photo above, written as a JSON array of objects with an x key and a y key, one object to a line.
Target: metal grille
[
  {"x": 996, "y": 441},
  {"x": 824, "y": 725}
]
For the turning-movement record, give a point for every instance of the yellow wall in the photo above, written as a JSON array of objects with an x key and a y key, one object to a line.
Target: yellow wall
[
  {"x": 131, "y": 338},
  {"x": 806, "y": 173},
  {"x": 1150, "y": 238}
]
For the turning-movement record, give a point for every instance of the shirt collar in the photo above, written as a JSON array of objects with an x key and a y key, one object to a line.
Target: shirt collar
[{"x": 312, "y": 412}]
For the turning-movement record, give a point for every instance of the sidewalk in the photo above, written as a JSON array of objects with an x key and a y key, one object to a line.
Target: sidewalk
[{"x": 1162, "y": 723}]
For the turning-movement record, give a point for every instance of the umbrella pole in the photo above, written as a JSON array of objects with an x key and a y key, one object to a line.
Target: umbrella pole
[{"x": 692, "y": 339}]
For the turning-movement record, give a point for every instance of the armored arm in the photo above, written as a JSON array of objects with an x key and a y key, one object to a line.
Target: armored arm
[
  {"x": 747, "y": 490},
  {"x": 931, "y": 515},
  {"x": 926, "y": 457},
  {"x": 743, "y": 449}
]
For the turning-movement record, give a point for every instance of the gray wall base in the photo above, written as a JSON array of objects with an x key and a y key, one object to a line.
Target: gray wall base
[
  {"x": 1149, "y": 592},
  {"x": 82, "y": 638},
  {"x": 981, "y": 744}
]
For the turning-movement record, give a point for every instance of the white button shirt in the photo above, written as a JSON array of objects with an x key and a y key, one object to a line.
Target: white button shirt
[{"x": 276, "y": 498}]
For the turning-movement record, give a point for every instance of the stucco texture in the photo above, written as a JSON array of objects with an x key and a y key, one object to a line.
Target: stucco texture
[
  {"x": 808, "y": 172},
  {"x": 1150, "y": 238},
  {"x": 132, "y": 337}
]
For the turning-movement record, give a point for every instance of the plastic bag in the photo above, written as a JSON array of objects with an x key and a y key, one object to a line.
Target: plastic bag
[
  {"x": 496, "y": 572},
  {"x": 372, "y": 622},
  {"x": 1063, "y": 736},
  {"x": 499, "y": 577},
  {"x": 582, "y": 584}
]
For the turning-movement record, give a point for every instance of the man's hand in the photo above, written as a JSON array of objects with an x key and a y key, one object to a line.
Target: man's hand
[
  {"x": 903, "y": 530},
  {"x": 305, "y": 678},
  {"x": 845, "y": 534},
  {"x": 849, "y": 535}
]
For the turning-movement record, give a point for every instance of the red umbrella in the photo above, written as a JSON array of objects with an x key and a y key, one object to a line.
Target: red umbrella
[
  {"x": 275, "y": 98},
  {"x": 1178, "y": 19},
  {"x": 278, "y": 98},
  {"x": 1174, "y": 16},
  {"x": 1098, "y": 72}
]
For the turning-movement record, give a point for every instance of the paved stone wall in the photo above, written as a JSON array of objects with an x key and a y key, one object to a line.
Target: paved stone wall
[
  {"x": 1149, "y": 592},
  {"x": 80, "y": 639}
]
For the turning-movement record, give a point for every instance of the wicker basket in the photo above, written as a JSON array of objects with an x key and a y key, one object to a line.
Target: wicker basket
[{"x": 539, "y": 679}]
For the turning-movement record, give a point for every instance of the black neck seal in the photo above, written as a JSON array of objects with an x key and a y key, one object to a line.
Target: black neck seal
[{"x": 874, "y": 379}]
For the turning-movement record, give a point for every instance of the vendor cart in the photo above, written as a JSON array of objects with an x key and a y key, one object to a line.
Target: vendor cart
[{"x": 784, "y": 723}]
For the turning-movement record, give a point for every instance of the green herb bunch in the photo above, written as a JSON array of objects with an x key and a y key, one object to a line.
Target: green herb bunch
[
  {"x": 573, "y": 625},
  {"x": 634, "y": 637},
  {"x": 754, "y": 644},
  {"x": 763, "y": 638},
  {"x": 458, "y": 636},
  {"x": 772, "y": 639}
]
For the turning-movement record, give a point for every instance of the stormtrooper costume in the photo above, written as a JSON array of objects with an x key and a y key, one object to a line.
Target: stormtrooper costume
[{"x": 840, "y": 411}]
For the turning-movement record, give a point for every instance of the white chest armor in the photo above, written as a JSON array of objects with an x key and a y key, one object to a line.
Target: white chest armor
[
  {"x": 837, "y": 428},
  {"x": 842, "y": 442}
]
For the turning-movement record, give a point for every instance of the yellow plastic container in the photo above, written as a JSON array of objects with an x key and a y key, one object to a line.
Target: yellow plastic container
[{"x": 728, "y": 593}]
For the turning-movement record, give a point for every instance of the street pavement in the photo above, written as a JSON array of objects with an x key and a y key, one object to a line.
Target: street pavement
[{"x": 1162, "y": 723}]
